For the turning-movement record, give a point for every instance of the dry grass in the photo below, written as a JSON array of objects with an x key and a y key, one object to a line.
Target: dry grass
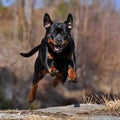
[
  {"x": 38, "y": 117},
  {"x": 113, "y": 105},
  {"x": 112, "y": 109}
]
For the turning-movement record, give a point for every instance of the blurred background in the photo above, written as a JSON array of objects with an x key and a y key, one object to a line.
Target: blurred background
[{"x": 96, "y": 33}]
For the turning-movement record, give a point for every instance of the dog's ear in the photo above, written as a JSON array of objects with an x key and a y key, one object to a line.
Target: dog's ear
[
  {"x": 47, "y": 20},
  {"x": 69, "y": 21}
]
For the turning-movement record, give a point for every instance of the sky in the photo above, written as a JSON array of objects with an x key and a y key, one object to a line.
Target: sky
[
  {"x": 117, "y": 5},
  {"x": 40, "y": 3},
  {"x": 83, "y": 2},
  {"x": 7, "y": 2}
]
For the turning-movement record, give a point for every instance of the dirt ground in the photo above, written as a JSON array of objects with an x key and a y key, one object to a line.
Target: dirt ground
[{"x": 71, "y": 112}]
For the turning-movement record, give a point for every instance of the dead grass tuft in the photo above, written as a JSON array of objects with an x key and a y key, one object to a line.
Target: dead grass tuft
[{"x": 113, "y": 105}]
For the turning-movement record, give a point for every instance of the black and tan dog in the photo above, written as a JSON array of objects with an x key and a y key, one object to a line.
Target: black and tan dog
[{"x": 56, "y": 54}]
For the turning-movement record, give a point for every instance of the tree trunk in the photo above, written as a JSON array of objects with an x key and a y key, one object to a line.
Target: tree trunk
[
  {"x": 28, "y": 21},
  {"x": 16, "y": 21},
  {"x": 85, "y": 24},
  {"x": 25, "y": 21}
]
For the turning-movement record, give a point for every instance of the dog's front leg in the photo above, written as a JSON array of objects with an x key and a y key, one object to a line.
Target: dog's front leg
[
  {"x": 49, "y": 63},
  {"x": 72, "y": 68}
]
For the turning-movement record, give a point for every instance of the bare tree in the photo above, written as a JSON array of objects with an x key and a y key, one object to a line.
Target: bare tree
[
  {"x": 16, "y": 20},
  {"x": 85, "y": 23},
  {"x": 28, "y": 6},
  {"x": 76, "y": 21},
  {"x": 24, "y": 11}
]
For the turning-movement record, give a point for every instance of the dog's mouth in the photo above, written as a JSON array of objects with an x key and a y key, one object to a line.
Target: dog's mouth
[{"x": 57, "y": 48}]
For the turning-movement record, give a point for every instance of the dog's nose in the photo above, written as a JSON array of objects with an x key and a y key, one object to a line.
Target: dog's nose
[{"x": 59, "y": 41}]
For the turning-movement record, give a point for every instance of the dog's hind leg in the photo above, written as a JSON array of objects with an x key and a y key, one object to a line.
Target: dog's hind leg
[
  {"x": 55, "y": 82},
  {"x": 33, "y": 90},
  {"x": 39, "y": 73},
  {"x": 59, "y": 78}
]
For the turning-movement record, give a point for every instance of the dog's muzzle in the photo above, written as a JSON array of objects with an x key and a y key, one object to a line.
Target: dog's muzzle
[{"x": 57, "y": 45}]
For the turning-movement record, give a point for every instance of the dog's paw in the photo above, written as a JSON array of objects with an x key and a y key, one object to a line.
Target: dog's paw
[
  {"x": 71, "y": 75},
  {"x": 72, "y": 80},
  {"x": 31, "y": 97},
  {"x": 53, "y": 71}
]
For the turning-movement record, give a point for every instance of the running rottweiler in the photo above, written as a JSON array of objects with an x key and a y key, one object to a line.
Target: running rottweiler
[{"x": 56, "y": 54}]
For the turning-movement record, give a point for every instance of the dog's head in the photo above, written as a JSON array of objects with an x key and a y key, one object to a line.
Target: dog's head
[{"x": 58, "y": 34}]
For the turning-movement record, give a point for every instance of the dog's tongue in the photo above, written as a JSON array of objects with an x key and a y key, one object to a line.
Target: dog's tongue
[{"x": 57, "y": 48}]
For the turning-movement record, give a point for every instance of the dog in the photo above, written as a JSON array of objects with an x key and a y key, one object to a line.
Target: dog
[{"x": 56, "y": 54}]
